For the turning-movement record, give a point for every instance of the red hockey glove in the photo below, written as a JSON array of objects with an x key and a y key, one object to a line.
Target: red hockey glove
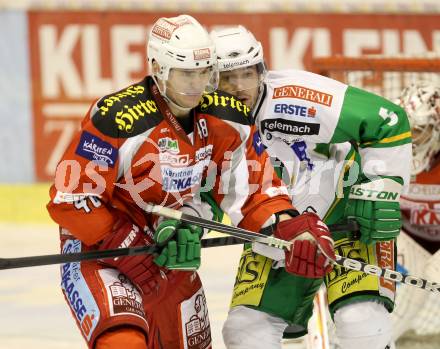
[
  {"x": 140, "y": 269},
  {"x": 312, "y": 250}
]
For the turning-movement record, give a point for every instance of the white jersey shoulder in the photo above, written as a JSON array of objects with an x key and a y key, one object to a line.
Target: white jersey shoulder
[{"x": 300, "y": 105}]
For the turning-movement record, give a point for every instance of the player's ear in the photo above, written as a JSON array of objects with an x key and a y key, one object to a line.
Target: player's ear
[
  {"x": 156, "y": 67},
  {"x": 156, "y": 72}
]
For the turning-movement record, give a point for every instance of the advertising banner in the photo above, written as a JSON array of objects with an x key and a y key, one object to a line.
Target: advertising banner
[{"x": 76, "y": 57}]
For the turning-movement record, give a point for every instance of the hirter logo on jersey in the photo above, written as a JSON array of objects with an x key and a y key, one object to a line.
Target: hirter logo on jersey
[
  {"x": 114, "y": 100},
  {"x": 301, "y": 92}
]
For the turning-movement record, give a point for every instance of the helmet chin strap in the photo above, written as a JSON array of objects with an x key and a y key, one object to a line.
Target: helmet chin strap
[
  {"x": 170, "y": 102},
  {"x": 175, "y": 105},
  {"x": 256, "y": 106}
]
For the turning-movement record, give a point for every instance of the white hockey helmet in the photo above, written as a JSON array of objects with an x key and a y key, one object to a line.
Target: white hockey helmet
[
  {"x": 421, "y": 102},
  {"x": 238, "y": 49},
  {"x": 181, "y": 42}
]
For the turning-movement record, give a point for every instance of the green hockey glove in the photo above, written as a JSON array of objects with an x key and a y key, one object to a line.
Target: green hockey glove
[
  {"x": 375, "y": 206},
  {"x": 180, "y": 243}
]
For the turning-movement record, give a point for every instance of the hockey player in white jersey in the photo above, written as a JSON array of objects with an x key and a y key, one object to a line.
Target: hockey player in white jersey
[
  {"x": 299, "y": 115},
  {"x": 419, "y": 241}
]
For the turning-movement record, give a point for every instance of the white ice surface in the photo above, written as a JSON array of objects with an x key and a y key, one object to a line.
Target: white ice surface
[{"x": 33, "y": 313}]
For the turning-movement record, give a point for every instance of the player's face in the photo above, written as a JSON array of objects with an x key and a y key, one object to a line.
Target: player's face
[
  {"x": 243, "y": 83},
  {"x": 185, "y": 87}
]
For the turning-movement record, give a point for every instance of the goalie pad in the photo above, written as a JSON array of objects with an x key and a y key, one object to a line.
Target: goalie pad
[
  {"x": 427, "y": 321},
  {"x": 409, "y": 300}
]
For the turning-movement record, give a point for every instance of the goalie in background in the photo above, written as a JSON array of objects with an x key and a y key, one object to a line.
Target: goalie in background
[
  {"x": 300, "y": 117},
  {"x": 419, "y": 240}
]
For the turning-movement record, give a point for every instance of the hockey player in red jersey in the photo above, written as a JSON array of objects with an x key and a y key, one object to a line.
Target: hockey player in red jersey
[
  {"x": 419, "y": 241},
  {"x": 148, "y": 143}
]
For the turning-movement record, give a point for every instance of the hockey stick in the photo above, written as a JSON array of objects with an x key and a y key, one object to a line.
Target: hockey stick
[
  {"x": 318, "y": 334},
  {"x": 34, "y": 261},
  {"x": 345, "y": 262}
]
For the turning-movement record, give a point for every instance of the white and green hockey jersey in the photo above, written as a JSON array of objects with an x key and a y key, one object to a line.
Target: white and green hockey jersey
[{"x": 303, "y": 108}]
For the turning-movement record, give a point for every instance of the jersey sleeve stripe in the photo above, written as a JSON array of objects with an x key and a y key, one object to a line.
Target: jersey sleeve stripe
[{"x": 402, "y": 136}]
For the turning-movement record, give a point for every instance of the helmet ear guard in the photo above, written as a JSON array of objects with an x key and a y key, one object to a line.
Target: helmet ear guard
[{"x": 421, "y": 102}]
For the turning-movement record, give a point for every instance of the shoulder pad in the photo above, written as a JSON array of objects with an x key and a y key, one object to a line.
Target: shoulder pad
[
  {"x": 127, "y": 113},
  {"x": 225, "y": 106}
]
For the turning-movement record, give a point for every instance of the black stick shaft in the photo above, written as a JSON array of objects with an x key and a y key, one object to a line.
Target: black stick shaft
[{"x": 33, "y": 261}]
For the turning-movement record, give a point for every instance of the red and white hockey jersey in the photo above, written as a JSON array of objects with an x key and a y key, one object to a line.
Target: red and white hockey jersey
[
  {"x": 128, "y": 154},
  {"x": 421, "y": 209}
]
